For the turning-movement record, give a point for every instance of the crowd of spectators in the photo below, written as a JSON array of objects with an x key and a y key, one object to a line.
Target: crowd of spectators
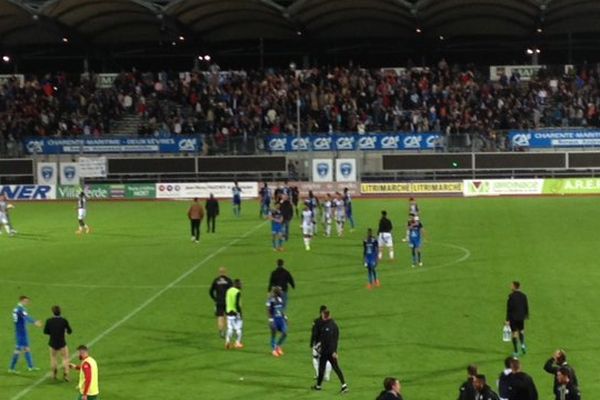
[{"x": 223, "y": 105}]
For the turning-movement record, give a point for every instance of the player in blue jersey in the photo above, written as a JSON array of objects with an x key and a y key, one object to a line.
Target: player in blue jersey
[
  {"x": 277, "y": 320},
  {"x": 415, "y": 237},
  {"x": 265, "y": 200},
  {"x": 370, "y": 256},
  {"x": 236, "y": 201},
  {"x": 21, "y": 318},
  {"x": 276, "y": 228},
  {"x": 348, "y": 205}
]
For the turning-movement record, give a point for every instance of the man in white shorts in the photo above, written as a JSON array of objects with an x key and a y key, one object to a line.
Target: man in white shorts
[
  {"x": 384, "y": 236},
  {"x": 4, "y": 221},
  {"x": 308, "y": 224},
  {"x": 82, "y": 213},
  {"x": 340, "y": 213},
  {"x": 327, "y": 214}
]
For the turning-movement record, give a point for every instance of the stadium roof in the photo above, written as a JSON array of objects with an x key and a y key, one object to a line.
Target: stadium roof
[{"x": 113, "y": 22}]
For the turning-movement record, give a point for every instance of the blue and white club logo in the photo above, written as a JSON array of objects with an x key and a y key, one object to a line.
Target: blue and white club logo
[
  {"x": 346, "y": 169},
  {"x": 47, "y": 173},
  {"x": 323, "y": 169},
  {"x": 70, "y": 172}
]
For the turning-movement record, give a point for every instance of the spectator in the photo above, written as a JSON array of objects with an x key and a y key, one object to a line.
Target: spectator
[{"x": 391, "y": 390}]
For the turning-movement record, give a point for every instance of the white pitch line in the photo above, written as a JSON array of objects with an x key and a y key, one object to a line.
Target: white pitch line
[{"x": 145, "y": 304}]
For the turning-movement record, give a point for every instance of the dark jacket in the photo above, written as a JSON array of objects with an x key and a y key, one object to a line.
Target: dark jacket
[
  {"x": 504, "y": 383},
  {"x": 521, "y": 387},
  {"x": 219, "y": 287},
  {"x": 385, "y": 225},
  {"x": 314, "y": 333},
  {"x": 517, "y": 308},
  {"x": 552, "y": 368},
  {"x": 56, "y": 327},
  {"x": 212, "y": 207},
  {"x": 328, "y": 335},
  {"x": 467, "y": 390},
  {"x": 281, "y": 277},
  {"x": 486, "y": 394},
  {"x": 387, "y": 395},
  {"x": 571, "y": 392},
  {"x": 287, "y": 210}
]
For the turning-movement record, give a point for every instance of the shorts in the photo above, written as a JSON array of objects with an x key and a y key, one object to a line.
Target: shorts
[
  {"x": 3, "y": 219},
  {"x": 276, "y": 230},
  {"x": 414, "y": 243},
  {"x": 234, "y": 323},
  {"x": 81, "y": 213},
  {"x": 94, "y": 397},
  {"x": 22, "y": 341},
  {"x": 307, "y": 230},
  {"x": 237, "y": 201},
  {"x": 280, "y": 324},
  {"x": 370, "y": 263},
  {"x": 385, "y": 239},
  {"x": 517, "y": 326},
  {"x": 341, "y": 219},
  {"x": 56, "y": 346},
  {"x": 219, "y": 310}
]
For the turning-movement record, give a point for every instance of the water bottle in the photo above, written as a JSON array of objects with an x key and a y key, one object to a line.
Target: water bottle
[{"x": 506, "y": 333}]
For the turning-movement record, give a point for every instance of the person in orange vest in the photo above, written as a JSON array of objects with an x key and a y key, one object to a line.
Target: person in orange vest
[{"x": 88, "y": 375}]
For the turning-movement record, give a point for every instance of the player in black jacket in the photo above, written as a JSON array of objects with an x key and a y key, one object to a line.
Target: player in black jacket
[
  {"x": 316, "y": 346},
  {"x": 554, "y": 364},
  {"x": 567, "y": 389},
  {"x": 328, "y": 335},
  {"x": 520, "y": 385},
  {"x": 217, "y": 292},
  {"x": 517, "y": 311},
  {"x": 467, "y": 390},
  {"x": 56, "y": 328},
  {"x": 482, "y": 390},
  {"x": 283, "y": 278}
]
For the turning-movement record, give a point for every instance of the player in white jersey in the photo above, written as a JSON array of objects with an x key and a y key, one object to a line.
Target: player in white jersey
[
  {"x": 413, "y": 207},
  {"x": 308, "y": 224},
  {"x": 327, "y": 214},
  {"x": 82, "y": 213},
  {"x": 340, "y": 213},
  {"x": 4, "y": 221}
]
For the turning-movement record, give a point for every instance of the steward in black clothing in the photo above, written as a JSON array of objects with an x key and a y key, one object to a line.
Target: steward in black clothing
[
  {"x": 212, "y": 211},
  {"x": 391, "y": 390},
  {"x": 287, "y": 212},
  {"x": 558, "y": 361},
  {"x": 295, "y": 198},
  {"x": 56, "y": 328},
  {"x": 467, "y": 390},
  {"x": 517, "y": 311},
  {"x": 316, "y": 326},
  {"x": 281, "y": 277},
  {"x": 520, "y": 385},
  {"x": 328, "y": 335},
  {"x": 385, "y": 225},
  {"x": 217, "y": 292},
  {"x": 503, "y": 379}
]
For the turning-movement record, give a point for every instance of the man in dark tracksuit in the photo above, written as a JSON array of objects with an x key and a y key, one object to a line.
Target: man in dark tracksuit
[
  {"x": 567, "y": 389},
  {"x": 554, "y": 364},
  {"x": 517, "y": 311},
  {"x": 467, "y": 390},
  {"x": 287, "y": 212},
  {"x": 212, "y": 210},
  {"x": 281, "y": 277},
  {"x": 520, "y": 385},
  {"x": 217, "y": 292},
  {"x": 328, "y": 335}
]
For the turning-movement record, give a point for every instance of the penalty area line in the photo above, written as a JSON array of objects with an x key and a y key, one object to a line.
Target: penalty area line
[{"x": 145, "y": 304}]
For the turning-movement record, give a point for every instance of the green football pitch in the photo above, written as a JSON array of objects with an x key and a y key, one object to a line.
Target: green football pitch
[{"x": 136, "y": 288}]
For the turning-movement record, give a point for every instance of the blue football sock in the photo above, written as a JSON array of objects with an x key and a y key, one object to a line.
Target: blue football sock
[
  {"x": 13, "y": 361},
  {"x": 29, "y": 359}
]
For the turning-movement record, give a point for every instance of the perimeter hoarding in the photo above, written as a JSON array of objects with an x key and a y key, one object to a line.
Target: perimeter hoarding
[
  {"x": 411, "y": 188},
  {"x": 202, "y": 190},
  {"x": 502, "y": 187},
  {"x": 572, "y": 186}
]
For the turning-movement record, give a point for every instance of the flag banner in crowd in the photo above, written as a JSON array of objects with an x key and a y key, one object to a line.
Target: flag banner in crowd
[
  {"x": 47, "y": 173},
  {"x": 69, "y": 173},
  {"x": 345, "y": 170},
  {"x": 203, "y": 190},
  {"x": 352, "y": 142},
  {"x": 322, "y": 170},
  {"x": 550, "y": 139},
  {"x": 92, "y": 167},
  {"x": 173, "y": 144},
  {"x": 525, "y": 72}
]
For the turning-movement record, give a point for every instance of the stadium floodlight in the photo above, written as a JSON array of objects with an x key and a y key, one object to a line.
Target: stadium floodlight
[
  {"x": 181, "y": 38},
  {"x": 65, "y": 39},
  {"x": 418, "y": 30},
  {"x": 6, "y": 58},
  {"x": 442, "y": 37},
  {"x": 532, "y": 51},
  {"x": 299, "y": 33},
  {"x": 540, "y": 30},
  {"x": 206, "y": 57}
]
